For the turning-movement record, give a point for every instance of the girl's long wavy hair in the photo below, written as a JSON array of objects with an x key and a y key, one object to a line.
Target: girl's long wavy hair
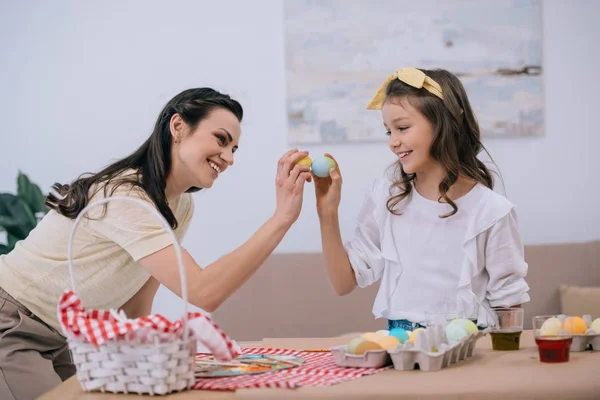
[
  {"x": 456, "y": 136},
  {"x": 151, "y": 162}
]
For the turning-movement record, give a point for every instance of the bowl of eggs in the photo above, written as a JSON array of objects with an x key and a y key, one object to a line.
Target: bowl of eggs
[
  {"x": 431, "y": 348},
  {"x": 586, "y": 332}
]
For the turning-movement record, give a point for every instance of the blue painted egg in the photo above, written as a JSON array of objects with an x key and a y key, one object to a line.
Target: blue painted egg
[
  {"x": 400, "y": 334},
  {"x": 321, "y": 166}
]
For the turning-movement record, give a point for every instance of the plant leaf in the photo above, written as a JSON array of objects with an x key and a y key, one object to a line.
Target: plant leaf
[
  {"x": 15, "y": 216},
  {"x": 31, "y": 194},
  {"x": 4, "y": 249},
  {"x": 11, "y": 241}
]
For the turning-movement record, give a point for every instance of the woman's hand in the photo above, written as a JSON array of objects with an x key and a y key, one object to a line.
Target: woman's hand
[
  {"x": 289, "y": 184},
  {"x": 328, "y": 190}
]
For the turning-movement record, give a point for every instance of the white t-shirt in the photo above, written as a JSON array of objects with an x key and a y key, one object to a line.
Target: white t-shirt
[{"x": 432, "y": 264}]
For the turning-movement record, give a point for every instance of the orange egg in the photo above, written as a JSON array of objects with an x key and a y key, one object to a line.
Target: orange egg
[
  {"x": 351, "y": 348},
  {"x": 575, "y": 325},
  {"x": 388, "y": 342},
  {"x": 367, "y": 345}
]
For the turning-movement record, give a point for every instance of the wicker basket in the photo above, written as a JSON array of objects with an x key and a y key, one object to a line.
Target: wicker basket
[{"x": 127, "y": 365}]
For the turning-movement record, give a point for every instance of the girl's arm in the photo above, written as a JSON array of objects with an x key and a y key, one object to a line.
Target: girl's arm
[
  {"x": 361, "y": 262},
  {"x": 340, "y": 272},
  {"x": 505, "y": 264}
]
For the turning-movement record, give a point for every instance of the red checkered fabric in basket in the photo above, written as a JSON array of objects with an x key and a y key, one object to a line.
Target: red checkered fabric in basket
[
  {"x": 319, "y": 369},
  {"x": 100, "y": 326}
]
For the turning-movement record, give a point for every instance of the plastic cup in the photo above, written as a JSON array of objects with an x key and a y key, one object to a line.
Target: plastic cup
[
  {"x": 506, "y": 335},
  {"x": 553, "y": 338}
]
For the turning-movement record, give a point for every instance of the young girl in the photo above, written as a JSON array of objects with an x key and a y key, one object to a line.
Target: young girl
[
  {"x": 122, "y": 253},
  {"x": 435, "y": 233}
]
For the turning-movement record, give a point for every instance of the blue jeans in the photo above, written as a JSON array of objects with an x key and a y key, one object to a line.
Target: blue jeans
[
  {"x": 410, "y": 326},
  {"x": 404, "y": 324}
]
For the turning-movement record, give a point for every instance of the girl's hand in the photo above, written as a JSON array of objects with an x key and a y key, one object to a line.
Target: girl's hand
[{"x": 328, "y": 190}]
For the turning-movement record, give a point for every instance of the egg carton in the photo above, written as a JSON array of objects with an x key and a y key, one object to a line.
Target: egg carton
[
  {"x": 590, "y": 339},
  {"x": 407, "y": 356},
  {"x": 370, "y": 359},
  {"x": 431, "y": 351},
  {"x": 582, "y": 342}
]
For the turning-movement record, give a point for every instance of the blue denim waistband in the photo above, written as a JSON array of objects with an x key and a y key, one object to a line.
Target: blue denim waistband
[
  {"x": 410, "y": 326},
  {"x": 404, "y": 324}
]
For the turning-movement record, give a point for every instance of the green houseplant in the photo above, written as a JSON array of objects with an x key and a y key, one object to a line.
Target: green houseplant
[{"x": 20, "y": 213}]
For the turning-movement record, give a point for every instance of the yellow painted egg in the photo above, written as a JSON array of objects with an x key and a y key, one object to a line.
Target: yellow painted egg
[
  {"x": 388, "y": 342},
  {"x": 413, "y": 334},
  {"x": 305, "y": 161},
  {"x": 595, "y": 326},
  {"x": 470, "y": 326},
  {"x": 576, "y": 325},
  {"x": 367, "y": 345}
]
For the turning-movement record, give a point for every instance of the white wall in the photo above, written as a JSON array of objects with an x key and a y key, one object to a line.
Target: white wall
[{"x": 82, "y": 82}]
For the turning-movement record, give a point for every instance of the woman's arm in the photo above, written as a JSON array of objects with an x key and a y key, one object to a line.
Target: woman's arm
[{"x": 209, "y": 287}]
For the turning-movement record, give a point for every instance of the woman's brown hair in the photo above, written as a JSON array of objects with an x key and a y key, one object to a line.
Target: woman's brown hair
[
  {"x": 151, "y": 162},
  {"x": 456, "y": 136}
]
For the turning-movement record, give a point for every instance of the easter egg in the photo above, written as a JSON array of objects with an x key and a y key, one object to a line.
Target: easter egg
[
  {"x": 455, "y": 332},
  {"x": 413, "y": 335},
  {"x": 373, "y": 337},
  {"x": 322, "y": 165},
  {"x": 331, "y": 162},
  {"x": 383, "y": 332},
  {"x": 388, "y": 342},
  {"x": 595, "y": 326},
  {"x": 400, "y": 334},
  {"x": 575, "y": 325},
  {"x": 305, "y": 161},
  {"x": 351, "y": 348},
  {"x": 551, "y": 327},
  {"x": 366, "y": 346},
  {"x": 470, "y": 327}
]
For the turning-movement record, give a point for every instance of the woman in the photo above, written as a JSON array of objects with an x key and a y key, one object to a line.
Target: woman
[{"x": 121, "y": 252}]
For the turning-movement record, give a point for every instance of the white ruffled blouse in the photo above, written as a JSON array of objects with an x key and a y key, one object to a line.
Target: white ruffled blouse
[{"x": 423, "y": 261}]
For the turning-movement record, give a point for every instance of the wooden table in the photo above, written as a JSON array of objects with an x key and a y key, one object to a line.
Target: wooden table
[{"x": 487, "y": 375}]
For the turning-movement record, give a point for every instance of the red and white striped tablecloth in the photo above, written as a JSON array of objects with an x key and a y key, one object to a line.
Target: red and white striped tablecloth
[{"x": 319, "y": 369}]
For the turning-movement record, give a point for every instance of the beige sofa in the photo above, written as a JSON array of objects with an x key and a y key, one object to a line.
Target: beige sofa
[{"x": 290, "y": 295}]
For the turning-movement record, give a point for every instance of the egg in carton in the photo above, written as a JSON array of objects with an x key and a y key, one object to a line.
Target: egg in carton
[
  {"x": 370, "y": 350},
  {"x": 369, "y": 359},
  {"x": 586, "y": 333},
  {"x": 432, "y": 350}
]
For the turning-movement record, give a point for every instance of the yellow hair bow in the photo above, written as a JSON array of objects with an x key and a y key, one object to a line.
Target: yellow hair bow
[{"x": 411, "y": 76}]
